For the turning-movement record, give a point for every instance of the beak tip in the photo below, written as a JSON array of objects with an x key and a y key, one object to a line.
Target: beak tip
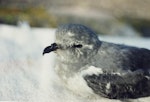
[
  {"x": 51, "y": 48},
  {"x": 43, "y": 53}
]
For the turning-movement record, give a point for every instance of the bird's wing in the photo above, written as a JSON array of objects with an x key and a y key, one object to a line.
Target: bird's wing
[{"x": 115, "y": 86}]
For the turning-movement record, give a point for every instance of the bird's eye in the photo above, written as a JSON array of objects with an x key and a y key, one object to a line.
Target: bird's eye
[{"x": 77, "y": 46}]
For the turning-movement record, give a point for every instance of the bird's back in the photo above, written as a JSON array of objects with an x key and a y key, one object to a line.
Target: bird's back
[
  {"x": 115, "y": 57},
  {"x": 125, "y": 72}
]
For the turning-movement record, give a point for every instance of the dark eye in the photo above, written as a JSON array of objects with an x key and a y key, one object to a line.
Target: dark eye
[{"x": 77, "y": 46}]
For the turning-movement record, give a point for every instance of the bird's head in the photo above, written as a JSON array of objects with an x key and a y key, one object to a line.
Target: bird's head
[{"x": 74, "y": 42}]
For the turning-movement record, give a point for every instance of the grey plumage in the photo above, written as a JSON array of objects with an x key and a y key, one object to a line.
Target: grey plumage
[{"x": 126, "y": 69}]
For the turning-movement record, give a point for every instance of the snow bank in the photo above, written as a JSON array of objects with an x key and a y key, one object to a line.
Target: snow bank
[{"x": 26, "y": 75}]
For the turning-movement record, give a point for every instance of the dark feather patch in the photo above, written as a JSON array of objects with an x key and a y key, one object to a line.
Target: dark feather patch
[{"x": 120, "y": 87}]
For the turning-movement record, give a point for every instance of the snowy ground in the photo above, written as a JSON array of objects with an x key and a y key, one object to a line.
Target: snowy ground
[{"x": 26, "y": 75}]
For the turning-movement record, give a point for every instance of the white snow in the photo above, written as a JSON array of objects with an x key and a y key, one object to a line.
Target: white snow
[{"x": 26, "y": 75}]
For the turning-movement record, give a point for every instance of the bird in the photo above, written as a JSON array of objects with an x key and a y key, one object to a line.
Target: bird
[{"x": 105, "y": 69}]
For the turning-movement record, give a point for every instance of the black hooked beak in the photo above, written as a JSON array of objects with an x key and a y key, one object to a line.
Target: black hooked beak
[{"x": 51, "y": 48}]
